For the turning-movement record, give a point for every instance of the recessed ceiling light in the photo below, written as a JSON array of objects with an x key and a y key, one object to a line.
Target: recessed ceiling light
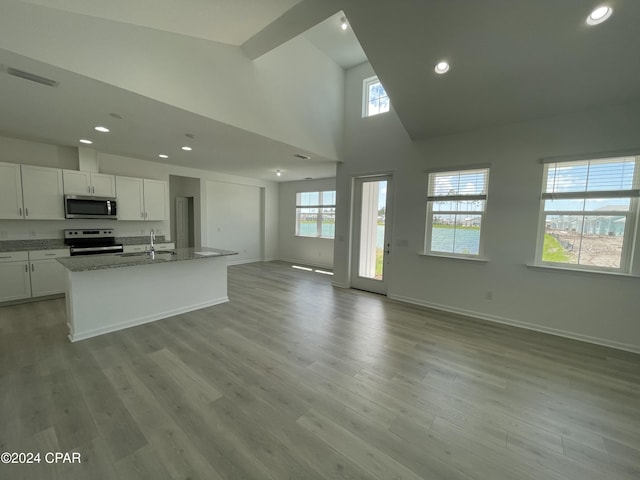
[
  {"x": 85, "y": 141},
  {"x": 162, "y": 155},
  {"x": 186, "y": 148},
  {"x": 343, "y": 23},
  {"x": 441, "y": 67},
  {"x": 278, "y": 173},
  {"x": 599, "y": 15},
  {"x": 102, "y": 129}
]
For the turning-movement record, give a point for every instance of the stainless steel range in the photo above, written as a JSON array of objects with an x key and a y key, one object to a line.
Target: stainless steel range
[{"x": 92, "y": 242}]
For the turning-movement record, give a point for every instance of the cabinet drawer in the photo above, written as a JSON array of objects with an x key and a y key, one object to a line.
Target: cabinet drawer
[
  {"x": 134, "y": 248},
  {"x": 13, "y": 256},
  {"x": 163, "y": 247},
  {"x": 48, "y": 254}
]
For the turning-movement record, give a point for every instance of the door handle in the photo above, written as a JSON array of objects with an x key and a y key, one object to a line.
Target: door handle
[
  {"x": 26, "y": 212},
  {"x": 20, "y": 211},
  {"x": 33, "y": 269}
]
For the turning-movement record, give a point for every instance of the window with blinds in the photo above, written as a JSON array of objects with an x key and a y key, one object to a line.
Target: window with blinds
[
  {"x": 316, "y": 214},
  {"x": 589, "y": 213},
  {"x": 456, "y": 206}
]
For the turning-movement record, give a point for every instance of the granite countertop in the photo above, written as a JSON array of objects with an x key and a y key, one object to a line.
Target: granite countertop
[
  {"x": 84, "y": 263},
  {"x": 28, "y": 245}
]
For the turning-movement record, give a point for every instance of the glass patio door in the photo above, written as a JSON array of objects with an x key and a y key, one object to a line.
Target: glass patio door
[{"x": 371, "y": 245}]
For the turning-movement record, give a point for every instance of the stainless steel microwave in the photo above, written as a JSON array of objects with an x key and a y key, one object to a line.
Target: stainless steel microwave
[{"x": 78, "y": 206}]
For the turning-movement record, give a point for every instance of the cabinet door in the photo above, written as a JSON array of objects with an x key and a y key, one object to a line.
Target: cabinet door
[
  {"x": 47, "y": 278},
  {"x": 14, "y": 281},
  {"x": 130, "y": 198},
  {"x": 43, "y": 193},
  {"x": 155, "y": 200},
  {"x": 76, "y": 183},
  {"x": 10, "y": 191},
  {"x": 103, "y": 185}
]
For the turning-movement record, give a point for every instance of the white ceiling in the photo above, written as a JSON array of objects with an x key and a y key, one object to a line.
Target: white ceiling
[
  {"x": 511, "y": 61},
  {"x": 224, "y": 21},
  {"x": 63, "y": 114},
  {"x": 340, "y": 45}
]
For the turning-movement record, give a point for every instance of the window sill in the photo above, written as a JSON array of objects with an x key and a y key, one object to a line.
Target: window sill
[
  {"x": 580, "y": 271},
  {"x": 455, "y": 257},
  {"x": 317, "y": 238}
]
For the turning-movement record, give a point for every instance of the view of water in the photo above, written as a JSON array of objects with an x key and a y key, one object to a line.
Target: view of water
[
  {"x": 461, "y": 240},
  {"x": 467, "y": 240},
  {"x": 309, "y": 229}
]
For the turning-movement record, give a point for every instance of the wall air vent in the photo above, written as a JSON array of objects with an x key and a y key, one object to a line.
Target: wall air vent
[
  {"x": 31, "y": 76},
  {"x": 301, "y": 156}
]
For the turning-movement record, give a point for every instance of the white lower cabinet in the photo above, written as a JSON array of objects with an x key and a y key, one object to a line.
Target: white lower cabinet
[
  {"x": 31, "y": 274},
  {"x": 47, "y": 274},
  {"x": 14, "y": 276}
]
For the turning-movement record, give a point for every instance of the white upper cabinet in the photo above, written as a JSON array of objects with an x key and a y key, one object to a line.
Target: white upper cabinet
[
  {"x": 130, "y": 198},
  {"x": 103, "y": 185},
  {"x": 10, "y": 192},
  {"x": 141, "y": 199},
  {"x": 42, "y": 193},
  {"x": 89, "y": 183},
  {"x": 155, "y": 200}
]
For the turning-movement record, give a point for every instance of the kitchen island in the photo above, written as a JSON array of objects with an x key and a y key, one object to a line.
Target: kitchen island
[{"x": 105, "y": 293}]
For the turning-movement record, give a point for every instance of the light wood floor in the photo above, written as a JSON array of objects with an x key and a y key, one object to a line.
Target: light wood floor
[{"x": 295, "y": 379}]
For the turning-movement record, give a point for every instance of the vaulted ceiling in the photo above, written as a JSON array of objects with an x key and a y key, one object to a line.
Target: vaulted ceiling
[{"x": 511, "y": 61}]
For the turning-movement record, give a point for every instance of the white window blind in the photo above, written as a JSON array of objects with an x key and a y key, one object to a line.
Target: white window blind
[
  {"x": 589, "y": 211},
  {"x": 456, "y": 204}
]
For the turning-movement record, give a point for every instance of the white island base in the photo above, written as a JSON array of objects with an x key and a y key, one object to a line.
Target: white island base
[{"x": 106, "y": 300}]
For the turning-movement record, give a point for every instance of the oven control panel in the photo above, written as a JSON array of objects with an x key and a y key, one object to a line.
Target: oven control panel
[{"x": 92, "y": 233}]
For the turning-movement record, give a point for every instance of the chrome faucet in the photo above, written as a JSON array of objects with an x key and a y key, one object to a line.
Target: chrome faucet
[{"x": 152, "y": 239}]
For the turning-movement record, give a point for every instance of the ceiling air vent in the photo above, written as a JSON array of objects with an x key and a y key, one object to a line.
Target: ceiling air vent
[
  {"x": 303, "y": 157},
  {"x": 31, "y": 76}
]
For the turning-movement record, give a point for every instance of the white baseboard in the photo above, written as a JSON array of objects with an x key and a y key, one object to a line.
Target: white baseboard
[
  {"x": 516, "y": 323},
  {"x": 242, "y": 262},
  {"x": 77, "y": 336}
]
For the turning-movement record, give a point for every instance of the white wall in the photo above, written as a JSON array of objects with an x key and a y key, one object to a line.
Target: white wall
[
  {"x": 269, "y": 97},
  {"x": 234, "y": 220},
  {"x": 594, "y": 307},
  {"x": 304, "y": 250}
]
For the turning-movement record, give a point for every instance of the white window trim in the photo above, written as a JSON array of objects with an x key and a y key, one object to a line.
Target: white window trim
[
  {"x": 482, "y": 214},
  {"x": 632, "y": 222},
  {"x": 318, "y": 220},
  {"x": 365, "y": 96}
]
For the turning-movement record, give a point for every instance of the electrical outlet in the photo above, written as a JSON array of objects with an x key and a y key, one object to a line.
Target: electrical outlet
[{"x": 488, "y": 295}]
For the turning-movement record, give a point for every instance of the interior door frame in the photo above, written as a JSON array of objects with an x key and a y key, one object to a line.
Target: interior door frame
[{"x": 355, "y": 281}]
